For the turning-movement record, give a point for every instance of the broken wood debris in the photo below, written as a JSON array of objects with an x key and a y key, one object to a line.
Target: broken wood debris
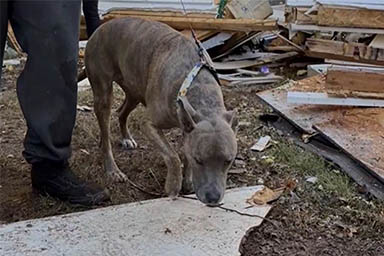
[
  {"x": 235, "y": 25},
  {"x": 316, "y": 98}
]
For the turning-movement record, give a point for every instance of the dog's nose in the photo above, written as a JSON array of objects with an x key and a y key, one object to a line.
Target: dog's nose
[{"x": 213, "y": 197}]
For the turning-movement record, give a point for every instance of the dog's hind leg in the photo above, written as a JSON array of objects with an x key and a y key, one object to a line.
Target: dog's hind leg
[
  {"x": 102, "y": 92},
  {"x": 174, "y": 176},
  {"x": 129, "y": 104}
]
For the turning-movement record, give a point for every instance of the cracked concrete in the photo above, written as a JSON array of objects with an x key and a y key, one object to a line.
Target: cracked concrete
[{"x": 154, "y": 227}]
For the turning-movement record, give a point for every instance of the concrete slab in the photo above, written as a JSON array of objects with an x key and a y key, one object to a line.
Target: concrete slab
[{"x": 155, "y": 227}]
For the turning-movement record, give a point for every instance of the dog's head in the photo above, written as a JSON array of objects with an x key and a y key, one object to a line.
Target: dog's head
[{"x": 210, "y": 148}]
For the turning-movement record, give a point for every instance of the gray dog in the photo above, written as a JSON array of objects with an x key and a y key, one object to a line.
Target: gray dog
[{"x": 150, "y": 62}]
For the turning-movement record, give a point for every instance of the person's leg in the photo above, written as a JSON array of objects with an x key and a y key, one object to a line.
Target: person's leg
[
  {"x": 3, "y": 30},
  {"x": 47, "y": 91},
  {"x": 91, "y": 15}
]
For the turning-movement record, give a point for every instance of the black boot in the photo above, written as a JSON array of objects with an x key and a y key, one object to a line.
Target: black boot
[{"x": 58, "y": 181}]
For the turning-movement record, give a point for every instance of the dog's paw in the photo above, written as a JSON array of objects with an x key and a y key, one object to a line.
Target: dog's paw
[
  {"x": 129, "y": 144},
  {"x": 173, "y": 187},
  {"x": 187, "y": 187},
  {"x": 117, "y": 176}
]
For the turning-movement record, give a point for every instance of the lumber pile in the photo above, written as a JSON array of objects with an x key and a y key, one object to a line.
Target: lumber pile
[
  {"x": 238, "y": 36},
  {"x": 348, "y": 30}
]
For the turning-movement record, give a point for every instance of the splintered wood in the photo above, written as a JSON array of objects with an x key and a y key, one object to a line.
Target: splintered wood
[{"x": 361, "y": 82}]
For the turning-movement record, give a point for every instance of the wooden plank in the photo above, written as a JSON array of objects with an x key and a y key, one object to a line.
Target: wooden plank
[
  {"x": 311, "y": 28},
  {"x": 180, "y": 23},
  {"x": 298, "y": 15},
  {"x": 360, "y": 133},
  {"x": 318, "y": 98},
  {"x": 342, "y": 58},
  {"x": 253, "y": 9},
  {"x": 363, "y": 4},
  {"x": 200, "y": 34},
  {"x": 231, "y": 65},
  {"x": 323, "y": 68},
  {"x": 348, "y": 63},
  {"x": 161, "y": 13},
  {"x": 348, "y": 82},
  {"x": 350, "y": 17},
  {"x": 301, "y": 116},
  {"x": 329, "y": 49}
]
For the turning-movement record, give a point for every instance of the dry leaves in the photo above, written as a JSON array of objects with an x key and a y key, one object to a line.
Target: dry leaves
[{"x": 267, "y": 195}]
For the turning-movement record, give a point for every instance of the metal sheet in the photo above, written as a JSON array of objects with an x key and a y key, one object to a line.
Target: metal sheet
[{"x": 360, "y": 133}]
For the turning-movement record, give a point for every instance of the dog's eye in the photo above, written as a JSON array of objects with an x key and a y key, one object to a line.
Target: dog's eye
[{"x": 198, "y": 161}]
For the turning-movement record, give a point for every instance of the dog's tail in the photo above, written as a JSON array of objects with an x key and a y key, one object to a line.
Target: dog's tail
[{"x": 82, "y": 75}]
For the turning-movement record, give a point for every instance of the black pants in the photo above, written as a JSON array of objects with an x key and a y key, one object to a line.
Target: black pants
[
  {"x": 48, "y": 32},
  {"x": 91, "y": 15}
]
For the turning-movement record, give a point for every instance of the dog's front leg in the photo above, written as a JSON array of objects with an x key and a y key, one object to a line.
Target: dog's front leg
[
  {"x": 174, "y": 176},
  {"x": 187, "y": 179}
]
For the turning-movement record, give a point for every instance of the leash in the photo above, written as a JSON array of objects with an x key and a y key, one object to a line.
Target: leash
[{"x": 205, "y": 61}]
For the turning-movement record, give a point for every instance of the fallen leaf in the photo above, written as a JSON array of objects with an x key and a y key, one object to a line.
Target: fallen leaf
[
  {"x": 290, "y": 185},
  {"x": 265, "y": 196}
]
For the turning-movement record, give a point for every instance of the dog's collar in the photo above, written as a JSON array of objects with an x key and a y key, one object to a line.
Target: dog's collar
[
  {"x": 188, "y": 81},
  {"x": 191, "y": 77},
  {"x": 205, "y": 61}
]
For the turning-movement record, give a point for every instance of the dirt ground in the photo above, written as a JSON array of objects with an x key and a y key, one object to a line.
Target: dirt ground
[{"x": 330, "y": 217}]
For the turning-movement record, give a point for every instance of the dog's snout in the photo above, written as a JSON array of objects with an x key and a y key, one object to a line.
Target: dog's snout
[{"x": 213, "y": 197}]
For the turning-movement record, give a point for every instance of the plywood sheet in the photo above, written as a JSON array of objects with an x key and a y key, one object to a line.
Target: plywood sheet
[
  {"x": 348, "y": 17},
  {"x": 360, "y": 133},
  {"x": 302, "y": 116}
]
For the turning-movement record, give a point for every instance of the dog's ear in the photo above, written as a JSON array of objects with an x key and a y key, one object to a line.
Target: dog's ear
[
  {"x": 231, "y": 118},
  {"x": 187, "y": 115}
]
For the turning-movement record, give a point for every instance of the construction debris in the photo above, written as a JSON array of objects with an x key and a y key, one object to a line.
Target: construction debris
[
  {"x": 261, "y": 144},
  {"x": 251, "y": 41}
]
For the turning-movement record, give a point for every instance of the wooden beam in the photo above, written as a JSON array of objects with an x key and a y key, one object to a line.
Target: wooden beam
[
  {"x": 232, "y": 65},
  {"x": 350, "y": 17},
  {"x": 181, "y": 23},
  {"x": 201, "y": 34},
  {"x": 316, "y": 98},
  {"x": 356, "y": 52},
  {"x": 299, "y": 28},
  {"x": 297, "y": 15},
  {"x": 360, "y": 82},
  {"x": 159, "y": 13}
]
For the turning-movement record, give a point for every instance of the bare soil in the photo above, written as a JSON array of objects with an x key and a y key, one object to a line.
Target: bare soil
[{"x": 330, "y": 217}]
